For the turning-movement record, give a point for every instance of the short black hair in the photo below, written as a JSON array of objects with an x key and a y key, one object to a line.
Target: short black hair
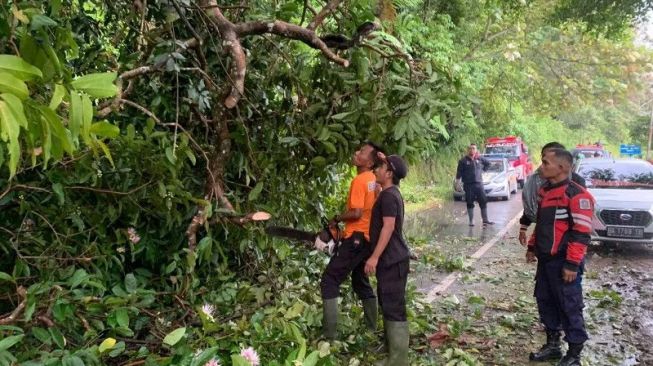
[
  {"x": 563, "y": 155},
  {"x": 395, "y": 180},
  {"x": 553, "y": 145},
  {"x": 376, "y": 149}
]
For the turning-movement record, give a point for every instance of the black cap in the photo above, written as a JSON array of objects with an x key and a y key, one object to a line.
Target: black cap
[{"x": 398, "y": 166}]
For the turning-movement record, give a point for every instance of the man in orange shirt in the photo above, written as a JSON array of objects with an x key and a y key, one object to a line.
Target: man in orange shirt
[{"x": 354, "y": 248}]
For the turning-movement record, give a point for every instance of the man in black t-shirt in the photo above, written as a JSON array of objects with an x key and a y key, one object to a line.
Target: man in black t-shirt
[{"x": 390, "y": 258}]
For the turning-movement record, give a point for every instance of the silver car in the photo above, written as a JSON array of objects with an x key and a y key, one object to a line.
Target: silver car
[
  {"x": 623, "y": 190},
  {"x": 499, "y": 181}
]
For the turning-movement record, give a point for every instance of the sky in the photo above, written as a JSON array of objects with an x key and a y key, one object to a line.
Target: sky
[{"x": 644, "y": 35}]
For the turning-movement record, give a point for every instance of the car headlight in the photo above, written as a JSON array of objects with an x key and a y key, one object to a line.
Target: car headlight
[{"x": 596, "y": 222}]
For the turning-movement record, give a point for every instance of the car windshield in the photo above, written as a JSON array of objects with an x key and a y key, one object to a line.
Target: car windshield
[
  {"x": 506, "y": 150},
  {"x": 590, "y": 153},
  {"x": 632, "y": 174},
  {"x": 496, "y": 166}
]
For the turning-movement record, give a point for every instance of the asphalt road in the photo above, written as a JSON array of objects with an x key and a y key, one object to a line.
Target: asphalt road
[{"x": 618, "y": 285}]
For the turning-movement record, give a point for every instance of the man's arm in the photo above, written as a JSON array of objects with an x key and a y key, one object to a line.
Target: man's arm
[
  {"x": 384, "y": 239},
  {"x": 581, "y": 208},
  {"x": 350, "y": 215},
  {"x": 530, "y": 194},
  {"x": 459, "y": 170},
  {"x": 357, "y": 202},
  {"x": 486, "y": 163}
]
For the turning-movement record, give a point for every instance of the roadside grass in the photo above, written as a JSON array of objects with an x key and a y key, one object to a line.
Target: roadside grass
[{"x": 427, "y": 185}]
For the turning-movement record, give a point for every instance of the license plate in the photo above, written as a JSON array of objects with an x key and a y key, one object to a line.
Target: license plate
[{"x": 625, "y": 232}]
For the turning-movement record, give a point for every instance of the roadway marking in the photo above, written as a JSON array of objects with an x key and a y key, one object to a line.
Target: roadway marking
[{"x": 451, "y": 278}]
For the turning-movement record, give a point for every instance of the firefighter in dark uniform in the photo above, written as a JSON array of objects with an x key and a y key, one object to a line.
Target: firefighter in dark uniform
[
  {"x": 559, "y": 243},
  {"x": 390, "y": 258},
  {"x": 470, "y": 171}
]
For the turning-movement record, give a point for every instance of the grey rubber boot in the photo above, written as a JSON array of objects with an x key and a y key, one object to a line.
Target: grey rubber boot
[
  {"x": 330, "y": 318},
  {"x": 470, "y": 214},
  {"x": 370, "y": 311},
  {"x": 398, "y": 342},
  {"x": 484, "y": 216}
]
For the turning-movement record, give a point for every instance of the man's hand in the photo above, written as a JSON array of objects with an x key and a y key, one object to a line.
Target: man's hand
[
  {"x": 459, "y": 185},
  {"x": 370, "y": 265},
  {"x": 568, "y": 275},
  {"x": 522, "y": 238},
  {"x": 530, "y": 257},
  {"x": 334, "y": 221}
]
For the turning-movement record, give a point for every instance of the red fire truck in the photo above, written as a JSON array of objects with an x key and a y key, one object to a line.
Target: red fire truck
[{"x": 515, "y": 150}]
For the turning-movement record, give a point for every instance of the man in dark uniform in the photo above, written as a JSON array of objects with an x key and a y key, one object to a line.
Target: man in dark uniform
[
  {"x": 354, "y": 248},
  {"x": 470, "y": 171},
  {"x": 562, "y": 233},
  {"x": 390, "y": 259},
  {"x": 531, "y": 191}
]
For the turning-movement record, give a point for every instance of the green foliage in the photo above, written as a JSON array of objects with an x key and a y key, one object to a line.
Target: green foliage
[
  {"x": 606, "y": 298},
  {"x": 609, "y": 18}
]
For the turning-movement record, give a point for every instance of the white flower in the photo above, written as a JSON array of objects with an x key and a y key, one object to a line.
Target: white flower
[
  {"x": 133, "y": 235},
  {"x": 212, "y": 362},
  {"x": 208, "y": 310},
  {"x": 251, "y": 356},
  {"x": 511, "y": 53}
]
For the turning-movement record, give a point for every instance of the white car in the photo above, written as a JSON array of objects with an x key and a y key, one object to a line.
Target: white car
[
  {"x": 499, "y": 181},
  {"x": 623, "y": 190}
]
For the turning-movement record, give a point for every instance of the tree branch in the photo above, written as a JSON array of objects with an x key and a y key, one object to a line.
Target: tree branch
[
  {"x": 231, "y": 34},
  {"x": 232, "y": 44},
  {"x": 11, "y": 318},
  {"x": 319, "y": 18},
  {"x": 290, "y": 31},
  {"x": 486, "y": 39}
]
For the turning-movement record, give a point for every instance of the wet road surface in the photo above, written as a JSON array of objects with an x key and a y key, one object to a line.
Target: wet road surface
[
  {"x": 489, "y": 309},
  {"x": 443, "y": 232}
]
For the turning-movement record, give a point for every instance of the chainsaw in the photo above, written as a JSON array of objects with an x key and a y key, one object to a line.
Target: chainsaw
[{"x": 326, "y": 240}]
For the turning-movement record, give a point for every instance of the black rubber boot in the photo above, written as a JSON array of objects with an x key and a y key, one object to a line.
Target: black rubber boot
[
  {"x": 370, "y": 311},
  {"x": 550, "y": 351},
  {"x": 572, "y": 358}
]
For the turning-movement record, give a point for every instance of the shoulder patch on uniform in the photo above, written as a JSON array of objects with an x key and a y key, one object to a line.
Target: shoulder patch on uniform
[
  {"x": 585, "y": 204},
  {"x": 371, "y": 186}
]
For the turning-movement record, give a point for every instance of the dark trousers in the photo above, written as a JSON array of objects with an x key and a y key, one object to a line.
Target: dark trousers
[
  {"x": 475, "y": 192},
  {"x": 349, "y": 259},
  {"x": 391, "y": 289},
  {"x": 560, "y": 304}
]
